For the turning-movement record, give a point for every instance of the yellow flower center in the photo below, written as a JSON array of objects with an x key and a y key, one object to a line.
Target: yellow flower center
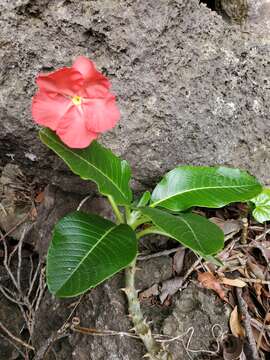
[{"x": 77, "y": 100}]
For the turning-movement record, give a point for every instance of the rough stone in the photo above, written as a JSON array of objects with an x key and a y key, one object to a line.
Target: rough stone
[
  {"x": 12, "y": 319},
  {"x": 201, "y": 317},
  {"x": 193, "y": 308},
  {"x": 192, "y": 89},
  {"x": 57, "y": 204}
]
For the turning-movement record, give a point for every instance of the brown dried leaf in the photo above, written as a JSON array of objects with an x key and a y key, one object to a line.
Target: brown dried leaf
[
  {"x": 209, "y": 281},
  {"x": 152, "y": 291},
  {"x": 227, "y": 226},
  {"x": 255, "y": 269},
  {"x": 233, "y": 282},
  {"x": 178, "y": 261},
  {"x": 170, "y": 287},
  {"x": 235, "y": 324}
]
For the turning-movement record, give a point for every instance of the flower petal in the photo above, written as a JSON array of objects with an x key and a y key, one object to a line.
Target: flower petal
[
  {"x": 65, "y": 81},
  {"x": 89, "y": 72},
  {"x": 100, "y": 114},
  {"x": 72, "y": 129},
  {"x": 49, "y": 108},
  {"x": 94, "y": 91}
]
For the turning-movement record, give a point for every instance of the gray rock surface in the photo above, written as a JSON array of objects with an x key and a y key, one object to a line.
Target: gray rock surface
[
  {"x": 194, "y": 308},
  {"x": 192, "y": 89},
  {"x": 202, "y": 318}
]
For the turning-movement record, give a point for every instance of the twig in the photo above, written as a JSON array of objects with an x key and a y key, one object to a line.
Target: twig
[
  {"x": 41, "y": 353},
  {"x": 247, "y": 323},
  {"x": 7, "y": 266},
  {"x": 96, "y": 332},
  {"x": 13, "y": 344},
  {"x": 10, "y": 296},
  {"x": 83, "y": 202},
  {"x": 15, "y": 338},
  {"x": 14, "y": 227},
  {"x": 158, "y": 254},
  {"x": 20, "y": 260},
  {"x": 106, "y": 332},
  {"x": 27, "y": 306},
  {"x": 59, "y": 334},
  {"x": 40, "y": 291},
  {"x": 33, "y": 280},
  {"x": 255, "y": 281},
  {"x": 262, "y": 330},
  {"x": 193, "y": 268},
  {"x": 259, "y": 237}
]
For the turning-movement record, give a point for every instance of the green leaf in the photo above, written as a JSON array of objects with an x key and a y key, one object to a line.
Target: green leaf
[
  {"x": 144, "y": 200},
  {"x": 212, "y": 259},
  {"x": 86, "y": 250},
  {"x": 94, "y": 163},
  {"x": 135, "y": 218},
  {"x": 191, "y": 230},
  {"x": 262, "y": 206},
  {"x": 214, "y": 187}
]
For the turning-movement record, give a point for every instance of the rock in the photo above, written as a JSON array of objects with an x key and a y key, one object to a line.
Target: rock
[
  {"x": 199, "y": 311},
  {"x": 251, "y": 12},
  {"x": 57, "y": 204},
  {"x": 192, "y": 89},
  {"x": 102, "y": 308},
  {"x": 194, "y": 307},
  {"x": 153, "y": 271}
]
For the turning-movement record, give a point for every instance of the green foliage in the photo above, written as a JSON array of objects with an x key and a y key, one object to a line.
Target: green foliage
[
  {"x": 94, "y": 163},
  {"x": 144, "y": 200},
  {"x": 86, "y": 250},
  {"x": 261, "y": 211},
  {"x": 191, "y": 230},
  {"x": 187, "y": 186}
]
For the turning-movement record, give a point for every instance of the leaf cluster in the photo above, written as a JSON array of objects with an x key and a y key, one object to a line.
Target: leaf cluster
[{"x": 87, "y": 249}]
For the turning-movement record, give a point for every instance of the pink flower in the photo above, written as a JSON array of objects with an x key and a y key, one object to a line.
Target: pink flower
[{"x": 76, "y": 103}]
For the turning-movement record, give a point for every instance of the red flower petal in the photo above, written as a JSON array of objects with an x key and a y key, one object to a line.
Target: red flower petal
[
  {"x": 100, "y": 114},
  {"x": 89, "y": 72},
  {"x": 72, "y": 129},
  {"x": 94, "y": 91},
  {"x": 65, "y": 81},
  {"x": 49, "y": 108}
]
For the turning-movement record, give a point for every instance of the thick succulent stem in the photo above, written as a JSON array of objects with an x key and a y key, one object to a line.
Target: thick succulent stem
[{"x": 154, "y": 350}]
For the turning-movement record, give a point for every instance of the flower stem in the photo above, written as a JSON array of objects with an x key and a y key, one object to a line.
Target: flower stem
[
  {"x": 154, "y": 350},
  {"x": 147, "y": 231},
  {"x": 118, "y": 214}
]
